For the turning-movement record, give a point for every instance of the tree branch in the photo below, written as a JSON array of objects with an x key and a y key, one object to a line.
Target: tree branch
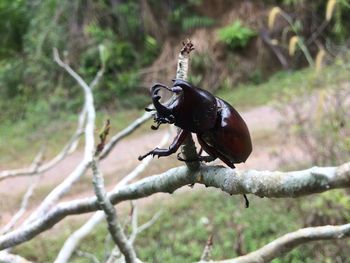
[
  {"x": 114, "y": 227},
  {"x": 188, "y": 148},
  {"x": 22, "y": 209},
  {"x": 65, "y": 186},
  {"x": 291, "y": 240},
  {"x": 11, "y": 258},
  {"x": 232, "y": 181}
]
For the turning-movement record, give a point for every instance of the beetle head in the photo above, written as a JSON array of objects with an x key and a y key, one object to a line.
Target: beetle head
[
  {"x": 190, "y": 108},
  {"x": 163, "y": 112}
]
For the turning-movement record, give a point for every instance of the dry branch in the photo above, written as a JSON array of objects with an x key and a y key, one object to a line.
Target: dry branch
[
  {"x": 65, "y": 186},
  {"x": 114, "y": 227},
  {"x": 11, "y": 258},
  {"x": 289, "y": 241},
  {"x": 23, "y": 207},
  {"x": 232, "y": 181},
  {"x": 188, "y": 149}
]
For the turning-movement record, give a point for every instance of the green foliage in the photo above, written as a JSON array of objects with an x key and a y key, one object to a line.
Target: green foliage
[
  {"x": 185, "y": 15},
  {"x": 196, "y": 22},
  {"x": 283, "y": 84},
  {"x": 340, "y": 27},
  {"x": 14, "y": 21},
  {"x": 236, "y": 35}
]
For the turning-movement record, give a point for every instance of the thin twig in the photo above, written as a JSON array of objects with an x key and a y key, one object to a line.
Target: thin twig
[
  {"x": 23, "y": 207},
  {"x": 87, "y": 255},
  {"x": 188, "y": 149},
  {"x": 80, "y": 170},
  {"x": 288, "y": 242},
  {"x": 6, "y": 257},
  {"x": 114, "y": 226},
  {"x": 207, "y": 249},
  {"x": 73, "y": 241}
]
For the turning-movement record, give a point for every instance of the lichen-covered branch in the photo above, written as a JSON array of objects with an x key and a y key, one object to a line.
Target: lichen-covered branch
[
  {"x": 114, "y": 226},
  {"x": 6, "y": 257},
  {"x": 232, "y": 181},
  {"x": 65, "y": 186},
  {"x": 188, "y": 148},
  {"x": 289, "y": 241},
  {"x": 136, "y": 229},
  {"x": 23, "y": 207}
]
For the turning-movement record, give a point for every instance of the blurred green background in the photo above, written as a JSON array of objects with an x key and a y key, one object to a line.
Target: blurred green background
[{"x": 244, "y": 54}]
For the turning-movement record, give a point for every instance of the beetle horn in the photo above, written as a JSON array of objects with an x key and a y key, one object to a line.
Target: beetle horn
[{"x": 161, "y": 109}]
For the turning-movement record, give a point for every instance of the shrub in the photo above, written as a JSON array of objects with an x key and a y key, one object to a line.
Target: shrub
[{"x": 236, "y": 35}]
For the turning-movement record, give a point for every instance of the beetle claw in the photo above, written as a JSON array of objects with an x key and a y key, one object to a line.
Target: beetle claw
[
  {"x": 156, "y": 97},
  {"x": 149, "y": 109},
  {"x": 156, "y": 127}
]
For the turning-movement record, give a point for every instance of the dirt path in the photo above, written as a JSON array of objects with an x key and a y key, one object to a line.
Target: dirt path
[{"x": 261, "y": 121}]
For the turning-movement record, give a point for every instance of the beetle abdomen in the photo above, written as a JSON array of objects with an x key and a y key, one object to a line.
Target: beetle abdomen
[{"x": 230, "y": 136}]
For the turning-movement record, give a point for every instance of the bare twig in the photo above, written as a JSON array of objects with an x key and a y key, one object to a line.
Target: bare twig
[
  {"x": 136, "y": 229},
  {"x": 73, "y": 241},
  {"x": 122, "y": 134},
  {"x": 148, "y": 224},
  {"x": 291, "y": 240},
  {"x": 6, "y": 257},
  {"x": 89, "y": 256},
  {"x": 232, "y": 181},
  {"x": 207, "y": 249},
  {"x": 65, "y": 186},
  {"x": 188, "y": 149},
  {"x": 114, "y": 226},
  {"x": 69, "y": 148},
  {"x": 34, "y": 167},
  {"x": 22, "y": 209}
]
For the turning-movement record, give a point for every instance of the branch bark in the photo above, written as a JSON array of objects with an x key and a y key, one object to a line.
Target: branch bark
[
  {"x": 188, "y": 149},
  {"x": 291, "y": 240},
  {"x": 114, "y": 226},
  {"x": 232, "y": 181},
  {"x": 11, "y": 258},
  {"x": 65, "y": 186}
]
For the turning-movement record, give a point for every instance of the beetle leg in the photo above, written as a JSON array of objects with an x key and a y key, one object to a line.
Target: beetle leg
[
  {"x": 214, "y": 153},
  {"x": 246, "y": 201},
  {"x": 206, "y": 159},
  {"x": 149, "y": 109},
  {"x": 200, "y": 151},
  {"x": 156, "y": 127},
  {"x": 179, "y": 139}
]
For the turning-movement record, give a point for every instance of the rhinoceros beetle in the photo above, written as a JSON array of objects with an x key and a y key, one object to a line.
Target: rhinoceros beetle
[{"x": 220, "y": 130}]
